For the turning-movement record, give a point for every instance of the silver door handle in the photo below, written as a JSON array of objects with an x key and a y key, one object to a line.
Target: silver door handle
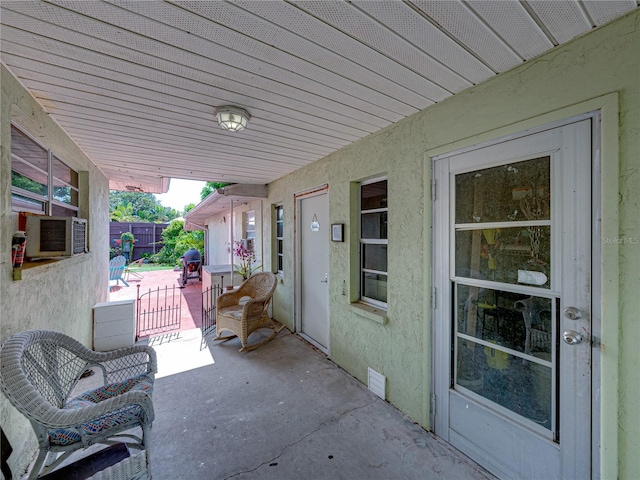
[
  {"x": 572, "y": 337},
  {"x": 572, "y": 313},
  {"x": 326, "y": 278}
]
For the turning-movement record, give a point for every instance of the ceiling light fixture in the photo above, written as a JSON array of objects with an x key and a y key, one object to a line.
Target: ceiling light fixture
[{"x": 232, "y": 118}]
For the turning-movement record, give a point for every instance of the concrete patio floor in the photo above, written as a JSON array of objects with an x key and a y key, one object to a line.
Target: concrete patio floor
[{"x": 283, "y": 411}]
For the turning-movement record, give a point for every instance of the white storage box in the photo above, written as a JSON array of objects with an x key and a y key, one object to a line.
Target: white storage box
[{"x": 114, "y": 325}]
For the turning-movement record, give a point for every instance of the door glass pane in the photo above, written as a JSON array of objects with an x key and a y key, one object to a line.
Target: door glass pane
[
  {"x": 514, "y": 192},
  {"x": 523, "y": 323},
  {"x": 523, "y": 387},
  {"x": 508, "y": 255}
]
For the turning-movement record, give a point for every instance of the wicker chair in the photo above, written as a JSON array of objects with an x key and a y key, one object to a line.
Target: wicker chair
[
  {"x": 38, "y": 371},
  {"x": 243, "y": 318}
]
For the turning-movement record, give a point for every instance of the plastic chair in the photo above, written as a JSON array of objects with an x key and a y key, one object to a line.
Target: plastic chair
[
  {"x": 116, "y": 271},
  {"x": 129, "y": 271}
]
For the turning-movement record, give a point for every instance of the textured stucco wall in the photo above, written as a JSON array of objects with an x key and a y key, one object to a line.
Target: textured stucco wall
[
  {"x": 58, "y": 296},
  {"x": 604, "y": 61}
]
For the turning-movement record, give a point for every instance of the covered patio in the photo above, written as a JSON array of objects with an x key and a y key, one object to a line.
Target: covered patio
[{"x": 360, "y": 119}]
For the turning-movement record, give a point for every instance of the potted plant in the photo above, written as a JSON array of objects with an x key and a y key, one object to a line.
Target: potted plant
[
  {"x": 127, "y": 241},
  {"x": 247, "y": 257}
]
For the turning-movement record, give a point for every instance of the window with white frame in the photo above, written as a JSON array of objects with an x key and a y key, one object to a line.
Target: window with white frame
[
  {"x": 250, "y": 229},
  {"x": 279, "y": 238},
  {"x": 40, "y": 181},
  {"x": 373, "y": 242}
]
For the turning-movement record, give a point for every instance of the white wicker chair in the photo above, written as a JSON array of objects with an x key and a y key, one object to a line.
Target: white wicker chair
[
  {"x": 38, "y": 371},
  {"x": 135, "y": 467}
]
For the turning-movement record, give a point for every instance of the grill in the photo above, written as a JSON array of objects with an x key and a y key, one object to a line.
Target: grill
[{"x": 191, "y": 265}]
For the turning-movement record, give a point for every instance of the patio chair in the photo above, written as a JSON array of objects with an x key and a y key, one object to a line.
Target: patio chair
[
  {"x": 116, "y": 271},
  {"x": 39, "y": 369},
  {"x": 130, "y": 270},
  {"x": 245, "y": 310}
]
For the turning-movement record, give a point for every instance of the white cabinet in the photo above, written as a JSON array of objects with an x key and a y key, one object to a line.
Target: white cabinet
[{"x": 114, "y": 325}]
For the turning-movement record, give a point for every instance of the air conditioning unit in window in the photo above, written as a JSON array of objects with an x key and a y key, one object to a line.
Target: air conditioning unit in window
[{"x": 55, "y": 236}]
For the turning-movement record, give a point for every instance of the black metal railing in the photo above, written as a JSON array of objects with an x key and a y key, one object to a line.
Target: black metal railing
[
  {"x": 158, "y": 311},
  {"x": 209, "y": 309}
]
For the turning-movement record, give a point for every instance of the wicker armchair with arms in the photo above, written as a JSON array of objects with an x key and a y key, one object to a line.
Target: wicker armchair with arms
[
  {"x": 245, "y": 310},
  {"x": 39, "y": 369}
]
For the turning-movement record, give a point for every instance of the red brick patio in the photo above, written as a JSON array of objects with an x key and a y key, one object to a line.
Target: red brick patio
[{"x": 191, "y": 311}]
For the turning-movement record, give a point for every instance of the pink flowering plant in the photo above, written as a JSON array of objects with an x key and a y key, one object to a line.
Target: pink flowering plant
[{"x": 247, "y": 258}]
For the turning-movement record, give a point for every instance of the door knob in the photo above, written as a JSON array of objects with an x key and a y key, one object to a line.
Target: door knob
[
  {"x": 572, "y": 313},
  {"x": 326, "y": 278},
  {"x": 571, "y": 337}
]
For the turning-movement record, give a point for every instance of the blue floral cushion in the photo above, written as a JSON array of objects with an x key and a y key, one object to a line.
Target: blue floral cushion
[{"x": 123, "y": 416}]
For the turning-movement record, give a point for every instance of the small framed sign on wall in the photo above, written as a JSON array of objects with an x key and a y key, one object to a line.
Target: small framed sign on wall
[{"x": 337, "y": 232}]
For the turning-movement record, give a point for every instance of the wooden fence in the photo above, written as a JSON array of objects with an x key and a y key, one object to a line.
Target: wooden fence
[{"x": 148, "y": 236}]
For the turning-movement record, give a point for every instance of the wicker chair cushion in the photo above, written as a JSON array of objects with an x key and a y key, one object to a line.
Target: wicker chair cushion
[
  {"x": 234, "y": 311},
  {"x": 131, "y": 413}
]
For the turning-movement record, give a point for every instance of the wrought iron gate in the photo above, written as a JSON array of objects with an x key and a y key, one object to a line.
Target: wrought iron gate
[
  {"x": 209, "y": 309},
  {"x": 158, "y": 311}
]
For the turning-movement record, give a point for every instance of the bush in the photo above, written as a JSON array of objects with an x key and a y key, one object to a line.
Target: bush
[{"x": 176, "y": 242}]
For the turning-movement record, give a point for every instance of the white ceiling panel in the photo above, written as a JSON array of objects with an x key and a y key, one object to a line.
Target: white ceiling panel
[
  {"x": 602, "y": 11},
  {"x": 419, "y": 31},
  {"x": 514, "y": 25},
  {"x": 313, "y": 58},
  {"x": 565, "y": 19},
  {"x": 135, "y": 84},
  {"x": 355, "y": 22}
]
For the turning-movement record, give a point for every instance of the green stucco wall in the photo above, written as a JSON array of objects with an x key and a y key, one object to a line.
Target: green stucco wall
[
  {"x": 557, "y": 85},
  {"x": 58, "y": 296}
]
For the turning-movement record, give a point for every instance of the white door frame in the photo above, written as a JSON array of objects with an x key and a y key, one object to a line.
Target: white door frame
[
  {"x": 437, "y": 298},
  {"x": 298, "y": 197}
]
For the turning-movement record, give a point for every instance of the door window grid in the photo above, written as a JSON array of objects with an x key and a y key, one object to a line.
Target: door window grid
[
  {"x": 486, "y": 350},
  {"x": 373, "y": 209}
]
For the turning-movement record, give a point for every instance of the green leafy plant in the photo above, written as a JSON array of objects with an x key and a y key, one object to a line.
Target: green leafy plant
[
  {"x": 176, "y": 241},
  {"x": 127, "y": 238}
]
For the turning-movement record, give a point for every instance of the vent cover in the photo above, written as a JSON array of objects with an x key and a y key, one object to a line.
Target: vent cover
[{"x": 377, "y": 383}]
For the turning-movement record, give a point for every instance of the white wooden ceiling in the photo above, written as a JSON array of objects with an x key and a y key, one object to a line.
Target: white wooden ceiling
[{"x": 135, "y": 83}]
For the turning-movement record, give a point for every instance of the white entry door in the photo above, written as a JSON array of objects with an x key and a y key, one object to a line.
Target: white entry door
[
  {"x": 512, "y": 264},
  {"x": 314, "y": 231}
]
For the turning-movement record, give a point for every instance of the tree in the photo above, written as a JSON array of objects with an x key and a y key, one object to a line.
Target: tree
[
  {"x": 138, "y": 207},
  {"x": 122, "y": 213},
  {"x": 211, "y": 187}
]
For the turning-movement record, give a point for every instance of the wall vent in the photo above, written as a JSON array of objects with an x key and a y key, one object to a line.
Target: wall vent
[{"x": 377, "y": 383}]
